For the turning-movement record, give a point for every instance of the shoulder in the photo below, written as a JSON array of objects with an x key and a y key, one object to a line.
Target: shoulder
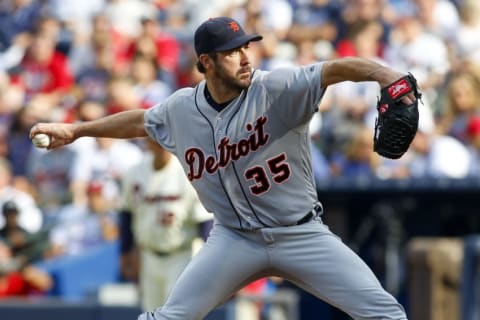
[
  {"x": 287, "y": 77},
  {"x": 285, "y": 72},
  {"x": 263, "y": 75},
  {"x": 182, "y": 95},
  {"x": 180, "y": 98}
]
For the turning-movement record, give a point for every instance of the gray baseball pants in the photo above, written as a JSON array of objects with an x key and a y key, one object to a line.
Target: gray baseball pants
[{"x": 308, "y": 255}]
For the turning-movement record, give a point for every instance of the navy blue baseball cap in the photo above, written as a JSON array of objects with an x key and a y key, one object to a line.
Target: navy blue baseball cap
[{"x": 221, "y": 34}]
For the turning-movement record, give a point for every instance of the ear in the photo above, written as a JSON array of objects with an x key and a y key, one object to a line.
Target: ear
[{"x": 205, "y": 60}]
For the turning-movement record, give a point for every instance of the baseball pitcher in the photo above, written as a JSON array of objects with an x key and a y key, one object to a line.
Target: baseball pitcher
[{"x": 241, "y": 136}]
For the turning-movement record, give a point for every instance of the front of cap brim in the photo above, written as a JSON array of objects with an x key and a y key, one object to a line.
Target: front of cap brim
[{"x": 238, "y": 42}]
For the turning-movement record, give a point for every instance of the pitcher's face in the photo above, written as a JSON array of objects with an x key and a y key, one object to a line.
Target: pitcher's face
[{"x": 234, "y": 68}]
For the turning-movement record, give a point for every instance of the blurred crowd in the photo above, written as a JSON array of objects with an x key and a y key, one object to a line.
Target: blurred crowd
[{"x": 67, "y": 61}]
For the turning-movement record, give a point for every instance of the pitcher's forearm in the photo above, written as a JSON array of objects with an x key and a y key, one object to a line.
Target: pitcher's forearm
[
  {"x": 357, "y": 69},
  {"x": 124, "y": 125}
]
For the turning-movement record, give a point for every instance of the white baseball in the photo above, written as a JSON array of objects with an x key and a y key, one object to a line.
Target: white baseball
[{"x": 41, "y": 140}]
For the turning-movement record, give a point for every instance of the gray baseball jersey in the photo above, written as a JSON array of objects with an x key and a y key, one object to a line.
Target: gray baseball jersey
[{"x": 250, "y": 162}]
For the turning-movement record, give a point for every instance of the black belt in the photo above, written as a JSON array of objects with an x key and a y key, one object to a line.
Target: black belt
[
  {"x": 162, "y": 253},
  {"x": 159, "y": 253},
  {"x": 310, "y": 215}
]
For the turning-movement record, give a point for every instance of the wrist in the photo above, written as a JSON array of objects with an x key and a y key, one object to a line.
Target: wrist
[
  {"x": 385, "y": 76},
  {"x": 77, "y": 130}
]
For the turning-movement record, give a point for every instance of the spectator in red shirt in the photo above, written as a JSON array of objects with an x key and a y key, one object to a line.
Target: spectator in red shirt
[
  {"x": 21, "y": 281},
  {"x": 18, "y": 250},
  {"x": 363, "y": 39},
  {"x": 43, "y": 69},
  {"x": 160, "y": 45}
]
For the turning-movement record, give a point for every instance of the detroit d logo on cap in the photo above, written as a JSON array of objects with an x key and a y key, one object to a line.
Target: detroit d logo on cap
[{"x": 234, "y": 26}]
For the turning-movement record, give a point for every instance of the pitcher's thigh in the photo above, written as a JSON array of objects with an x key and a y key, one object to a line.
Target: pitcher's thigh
[{"x": 323, "y": 265}]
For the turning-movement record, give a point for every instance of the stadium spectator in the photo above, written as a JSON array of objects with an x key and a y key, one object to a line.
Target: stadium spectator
[
  {"x": 466, "y": 44},
  {"x": 439, "y": 17},
  {"x": 395, "y": 9},
  {"x": 29, "y": 216},
  {"x": 75, "y": 15},
  {"x": 364, "y": 39},
  {"x": 88, "y": 110},
  {"x": 125, "y": 15},
  {"x": 93, "y": 65},
  {"x": 357, "y": 162},
  {"x": 148, "y": 88},
  {"x": 79, "y": 228},
  {"x": 434, "y": 154},
  {"x": 315, "y": 20},
  {"x": 43, "y": 69},
  {"x": 274, "y": 16},
  {"x": 357, "y": 12},
  {"x": 38, "y": 108},
  {"x": 17, "y": 17},
  {"x": 121, "y": 95},
  {"x": 20, "y": 281},
  {"x": 19, "y": 144},
  {"x": 105, "y": 35},
  {"x": 160, "y": 45},
  {"x": 19, "y": 250},
  {"x": 462, "y": 101},
  {"x": 11, "y": 56},
  {"x": 27, "y": 247}
]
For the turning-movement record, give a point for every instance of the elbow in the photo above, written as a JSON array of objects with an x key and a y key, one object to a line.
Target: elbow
[
  {"x": 328, "y": 76},
  {"x": 140, "y": 131},
  {"x": 139, "y": 127}
]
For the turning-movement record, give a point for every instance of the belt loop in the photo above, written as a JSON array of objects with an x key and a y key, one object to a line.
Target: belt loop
[{"x": 318, "y": 208}]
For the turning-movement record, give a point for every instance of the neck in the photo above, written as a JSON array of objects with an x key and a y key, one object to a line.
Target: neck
[{"x": 221, "y": 93}]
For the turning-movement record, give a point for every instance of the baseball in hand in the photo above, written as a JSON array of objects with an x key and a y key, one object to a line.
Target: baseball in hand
[{"x": 41, "y": 140}]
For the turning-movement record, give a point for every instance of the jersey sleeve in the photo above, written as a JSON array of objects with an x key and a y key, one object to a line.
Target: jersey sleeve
[
  {"x": 157, "y": 125},
  {"x": 295, "y": 93}
]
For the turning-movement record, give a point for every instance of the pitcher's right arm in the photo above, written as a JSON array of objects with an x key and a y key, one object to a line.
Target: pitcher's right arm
[{"x": 122, "y": 125}]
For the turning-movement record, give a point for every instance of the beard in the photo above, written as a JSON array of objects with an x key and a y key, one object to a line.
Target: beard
[{"x": 231, "y": 82}]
